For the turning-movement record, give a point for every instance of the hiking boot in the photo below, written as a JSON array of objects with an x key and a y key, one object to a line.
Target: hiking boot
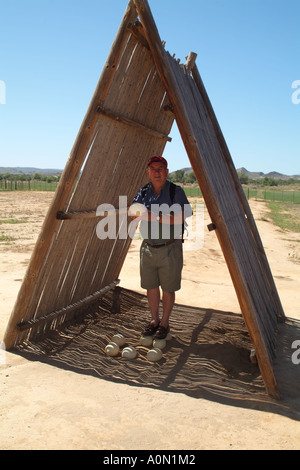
[
  {"x": 150, "y": 330},
  {"x": 162, "y": 332}
]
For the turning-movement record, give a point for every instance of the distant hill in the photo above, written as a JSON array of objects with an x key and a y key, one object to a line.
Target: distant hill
[
  {"x": 255, "y": 175},
  {"x": 29, "y": 171}
]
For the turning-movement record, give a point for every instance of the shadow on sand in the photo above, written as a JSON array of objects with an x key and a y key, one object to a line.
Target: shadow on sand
[{"x": 208, "y": 356}]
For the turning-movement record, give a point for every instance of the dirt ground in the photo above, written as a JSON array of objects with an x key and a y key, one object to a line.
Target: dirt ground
[{"x": 44, "y": 406}]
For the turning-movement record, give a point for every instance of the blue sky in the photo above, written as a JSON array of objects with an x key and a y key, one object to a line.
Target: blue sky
[{"x": 52, "y": 53}]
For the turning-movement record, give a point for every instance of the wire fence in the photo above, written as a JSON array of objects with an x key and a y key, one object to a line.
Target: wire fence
[
  {"x": 290, "y": 196},
  {"x": 8, "y": 185}
]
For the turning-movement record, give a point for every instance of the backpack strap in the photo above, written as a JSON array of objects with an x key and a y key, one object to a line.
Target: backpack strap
[
  {"x": 172, "y": 195},
  {"x": 172, "y": 191}
]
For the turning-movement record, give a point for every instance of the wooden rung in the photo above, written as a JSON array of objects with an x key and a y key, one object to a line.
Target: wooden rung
[
  {"x": 75, "y": 215},
  {"x": 129, "y": 122},
  {"x": 71, "y": 215},
  {"x": 26, "y": 325}
]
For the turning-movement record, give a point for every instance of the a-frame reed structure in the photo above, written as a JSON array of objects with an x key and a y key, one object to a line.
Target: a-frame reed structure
[{"x": 142, "y": 89}]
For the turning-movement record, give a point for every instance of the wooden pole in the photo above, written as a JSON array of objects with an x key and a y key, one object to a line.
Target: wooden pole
[
  {"x": 68, "y": 179},
  {"x": 190, "y": 142},
  {"x": 27, "y": 325},
  {"x": 71, "y": 215},
  {"x": 238, "y": 187}
]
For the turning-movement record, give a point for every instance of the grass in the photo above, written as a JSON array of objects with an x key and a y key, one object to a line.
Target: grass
[
  {"x": 285, "y": 215},
  {"x": 7, "y": 239},
  {"x": 280, "y": 194},
  {"x": 13, "y": 221}
]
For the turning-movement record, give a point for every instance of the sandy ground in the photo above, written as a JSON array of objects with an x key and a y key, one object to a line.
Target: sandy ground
[{"x": 48, "y": 407}]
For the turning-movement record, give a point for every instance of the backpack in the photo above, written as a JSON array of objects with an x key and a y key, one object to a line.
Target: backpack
[{"x": 172, "y": 195}]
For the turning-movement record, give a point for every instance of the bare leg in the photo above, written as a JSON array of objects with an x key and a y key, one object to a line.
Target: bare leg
[
  {"x": 168, "y": 303},
  {"x": 153, "y": 296}
]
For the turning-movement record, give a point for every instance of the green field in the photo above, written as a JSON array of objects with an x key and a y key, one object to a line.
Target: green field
[
  {"x": 6, "y": 185},
  {"x": 283, "y": 195},
  {"x": 285, "y": 215},
  {"x": 283, "y": 204},
  {"x": 267, "y": 194}
]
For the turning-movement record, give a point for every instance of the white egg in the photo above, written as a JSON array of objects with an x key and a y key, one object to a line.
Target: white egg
[
  {"x": 112, "y": 349},
  {"x": 129, "y": 352},
  {"x": 118, "y": 339},
  {"x": 146, "y": 340},
  {"x": 154, "y": 354},
  {"x": 159, "y": 343}
]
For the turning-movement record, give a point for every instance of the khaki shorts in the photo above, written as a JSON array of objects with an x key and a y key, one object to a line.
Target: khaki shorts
[{"x": 161, "y": 266}]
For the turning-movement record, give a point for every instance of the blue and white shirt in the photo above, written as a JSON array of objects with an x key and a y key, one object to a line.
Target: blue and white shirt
[{"x": 155, "y": 232}]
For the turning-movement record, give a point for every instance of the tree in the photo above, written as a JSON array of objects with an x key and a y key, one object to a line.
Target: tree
[
  {"x": 244, "y": 179},
  {"x": 190, "y": 177},
  {"x": 266, "y": 181},
  {"x": 179, "y": 176}
]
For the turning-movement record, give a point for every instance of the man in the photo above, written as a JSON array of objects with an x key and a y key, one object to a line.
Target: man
[{"x": 161, "y": 258}]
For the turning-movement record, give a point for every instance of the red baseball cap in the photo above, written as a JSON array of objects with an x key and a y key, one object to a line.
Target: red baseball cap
[{"x": 157, "y": 159}]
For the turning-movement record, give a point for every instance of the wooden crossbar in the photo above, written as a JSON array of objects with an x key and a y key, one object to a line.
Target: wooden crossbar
[
  {"x": 26, "y": 325},
  {"x": 75, "y": 215},
  {"x": 71, "y": 215},
  {"x": 129, "y": 122},
  {"x": 136, "y": 29}
]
